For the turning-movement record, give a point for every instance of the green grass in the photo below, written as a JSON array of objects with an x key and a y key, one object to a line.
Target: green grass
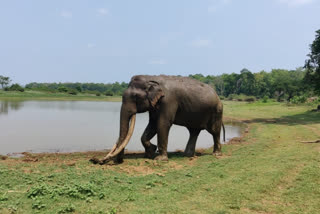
[
  {"x": 270, "y": 171},
  {"x": 39, "y": 95}
]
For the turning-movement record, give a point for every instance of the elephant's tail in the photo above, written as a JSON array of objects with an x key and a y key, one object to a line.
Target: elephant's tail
[{"x": 224, "y": 133}]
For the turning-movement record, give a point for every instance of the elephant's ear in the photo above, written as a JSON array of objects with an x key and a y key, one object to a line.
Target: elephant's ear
[{"x": 155, "y": 92}]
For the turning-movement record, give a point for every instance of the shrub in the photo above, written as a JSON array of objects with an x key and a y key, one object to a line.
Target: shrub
[
  {"x": 70, "y": 208},
  {"x": 250, "y": 99},
  {"x": 98, "y": 94},
  {"x": 232, "y": 96},
  {"x": 62, "y": 89},
  {"x": 15, "y": 87},
  {"x": 37, "y": 204},
  {"x": 265, "y": 99},
  {"x": 241, "y": 97},
  {"x": 298, "y": 99},
  {"x": 222, "y": 97},
  {"x": 108, "y": 93},
  {"x": 72, "y": 91}
]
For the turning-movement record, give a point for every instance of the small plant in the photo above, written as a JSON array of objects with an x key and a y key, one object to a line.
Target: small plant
[
  {"x": 37, "y": 191},
  {"x": 4, "y": 197},
  {"x": 112, "y": 211},
  {"x": 70, "y": 208},
  {"x": 265, "y": 99},
  {"x": 101, "y": 196},
  {"x": 38, "y": 205}
]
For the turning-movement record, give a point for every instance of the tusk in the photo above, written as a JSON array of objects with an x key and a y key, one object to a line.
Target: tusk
[{"x": 115, "y": 151}]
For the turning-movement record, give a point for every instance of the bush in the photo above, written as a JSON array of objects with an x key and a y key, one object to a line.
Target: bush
[
  {"x": 222, "y": 97},
  {"x": 98, "y": 94},
  {"x": 265, "y": 99},
  {"x": 72, "y": 91},
  {"x": 298, "y": 99},
  {"x": 62, "y": 89},
  {"x": 108, "y": 93},
  {"x": 250, "y": 99},
  {"x": 241, "y": 97},
  {"x": 232, "y": 96},
  {"x": 15, "y": 87}
]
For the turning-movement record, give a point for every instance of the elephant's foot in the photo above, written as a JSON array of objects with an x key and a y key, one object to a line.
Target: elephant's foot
[
  {"x": 118, "y": 159},
  {"x": 150, "y": 151},
  {"x": 189, "y": 153},
  {"x": 162, "y": 158},
  {"x": 217, "y": 153}
]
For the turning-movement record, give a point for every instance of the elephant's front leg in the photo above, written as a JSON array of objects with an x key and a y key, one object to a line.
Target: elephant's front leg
[
  {"x": 163, "y": 128},
  {"x": 148, "y": 134},
  {"x": 191, "y": 146}
]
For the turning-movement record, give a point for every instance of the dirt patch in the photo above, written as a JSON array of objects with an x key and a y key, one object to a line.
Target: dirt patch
[
  {"x": 142, "y": 167},
  {"x": 175, "y": 166},
  {"x": 137, "y": 170}
]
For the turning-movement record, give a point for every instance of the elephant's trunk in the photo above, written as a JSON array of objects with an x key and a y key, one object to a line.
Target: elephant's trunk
[{"x": 126, "y": 132}]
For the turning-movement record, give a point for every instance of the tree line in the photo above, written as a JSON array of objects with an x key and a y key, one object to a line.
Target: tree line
[
  {"x": 109, "y": 89},
  {"x": 280, "y": 84}
]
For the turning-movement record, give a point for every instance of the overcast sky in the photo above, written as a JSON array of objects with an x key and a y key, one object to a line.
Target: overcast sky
[{"x": 108, "y": 41}]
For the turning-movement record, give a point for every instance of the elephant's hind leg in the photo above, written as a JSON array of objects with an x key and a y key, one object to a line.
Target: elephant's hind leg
[
  {"x": 191, "y": 146},
  {"x": 215, "y": 130},
  {"x": 148, "y": 134}
]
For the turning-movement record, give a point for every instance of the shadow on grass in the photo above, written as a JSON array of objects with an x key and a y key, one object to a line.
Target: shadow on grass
[
  {"x": 140, "y": 155},
  {"x": 177, "y": 154},
  {"x": 306, "y": 118}
]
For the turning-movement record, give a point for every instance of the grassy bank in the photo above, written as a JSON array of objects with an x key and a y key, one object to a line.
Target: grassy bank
[
  {"x": 268, "y": 171},
  {"x": 38, "y": 95}
]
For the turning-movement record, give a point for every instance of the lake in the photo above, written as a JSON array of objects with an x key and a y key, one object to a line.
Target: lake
[{"x": 74, "y": 126}]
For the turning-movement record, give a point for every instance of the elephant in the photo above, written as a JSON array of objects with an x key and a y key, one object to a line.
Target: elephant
[{"x": 169, "y": 100}]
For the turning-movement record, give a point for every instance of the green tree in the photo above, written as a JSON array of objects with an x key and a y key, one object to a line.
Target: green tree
[
  {"x": 246, "y": 82},
  {"x": 4, "y": 81},
  {"x": 219, "y": 85},
  {"x": 313, "y": 64},
  {"x": 16, "y": 87}
]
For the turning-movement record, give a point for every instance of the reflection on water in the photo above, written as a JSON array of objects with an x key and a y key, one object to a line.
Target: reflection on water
[
  {"x": 6, "y": 106},
  {"x": 68, "y": 126}
]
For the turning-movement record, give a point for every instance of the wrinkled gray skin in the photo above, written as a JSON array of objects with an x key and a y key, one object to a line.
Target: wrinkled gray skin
[{"x": 171, "y": 100}]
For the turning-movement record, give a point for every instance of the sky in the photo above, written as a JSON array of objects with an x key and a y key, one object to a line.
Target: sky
[{"x": 108, "y": 41}]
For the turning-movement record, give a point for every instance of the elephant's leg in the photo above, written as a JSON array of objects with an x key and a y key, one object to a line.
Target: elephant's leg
[
  {"x": 119, "y": 157},
  {"x": 148, "y": 134},
  {"x": 215, "y": 130},
  {"x": 217, "y": 144},
  {"x": 191, "y": 146},
  {"x": 163, "y": 128}
]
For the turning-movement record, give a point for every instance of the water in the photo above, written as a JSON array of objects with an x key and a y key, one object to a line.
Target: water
[{"x": 70, "y": 126}]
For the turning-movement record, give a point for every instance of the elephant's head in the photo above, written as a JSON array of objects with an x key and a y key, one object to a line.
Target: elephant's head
[{"x": 142, "y": 95}]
